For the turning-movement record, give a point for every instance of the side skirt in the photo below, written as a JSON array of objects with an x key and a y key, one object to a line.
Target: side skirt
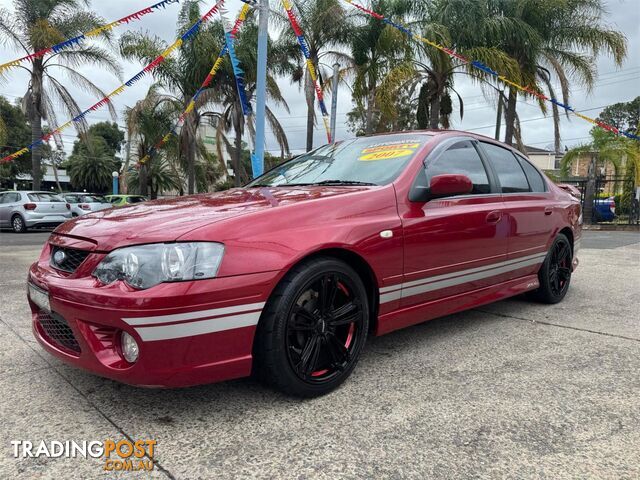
[{"x": 446, "y": 306}]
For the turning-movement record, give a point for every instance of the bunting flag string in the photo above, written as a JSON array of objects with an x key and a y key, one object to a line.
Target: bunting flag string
[
  {"x": 235, "y": 63},
  {"x": 242, "y": 16},
  {"x": 297, "y": 30},
  {"x": 485, "y": 68},
  {"x": 93, "y": 33},
  {"x": 151, "y": 66}
]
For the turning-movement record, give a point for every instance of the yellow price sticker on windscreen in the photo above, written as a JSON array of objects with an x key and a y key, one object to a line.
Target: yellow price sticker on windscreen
[
  {"x": 386, "y": 154},
  {"x": 395, "y": 146}
]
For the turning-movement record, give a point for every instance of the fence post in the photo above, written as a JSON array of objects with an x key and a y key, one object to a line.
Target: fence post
[{"x": 590, "y": 192}]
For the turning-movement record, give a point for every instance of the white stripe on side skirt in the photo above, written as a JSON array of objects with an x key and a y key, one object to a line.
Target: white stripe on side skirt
[{"x": 438, "y": 282}]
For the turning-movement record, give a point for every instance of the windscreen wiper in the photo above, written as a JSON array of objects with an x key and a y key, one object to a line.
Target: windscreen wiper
[{"x": 345, "y": 182}]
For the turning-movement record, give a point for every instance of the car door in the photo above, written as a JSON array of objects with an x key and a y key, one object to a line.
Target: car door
[
  {"x": 7, "y": 204},
  {"x": 528, "y": 207},
  {"x": 451, "y": 244}
]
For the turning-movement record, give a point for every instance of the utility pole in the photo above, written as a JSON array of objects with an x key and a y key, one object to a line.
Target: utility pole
[
  {"x": 334, "y": 100},
  {"x": 499, "y": 116},
  {"x": 257, "y": 159}
]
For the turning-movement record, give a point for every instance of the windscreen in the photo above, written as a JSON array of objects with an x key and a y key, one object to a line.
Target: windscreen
[{"x": 364, "y": 160}]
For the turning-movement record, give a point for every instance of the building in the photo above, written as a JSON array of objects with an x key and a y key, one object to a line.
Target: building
[
  {"x": 543, "y": 159},
  {"x": 24, "y": 181}
]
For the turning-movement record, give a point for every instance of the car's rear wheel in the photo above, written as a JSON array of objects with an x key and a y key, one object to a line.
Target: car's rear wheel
[
  {"x": 18, "y": 225},
  {"x": 555, "y": 273},
  {"x": 313, "y": 328}
]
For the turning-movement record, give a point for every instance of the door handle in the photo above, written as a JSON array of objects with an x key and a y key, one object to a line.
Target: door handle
[
  {"x": 548, "y": 210},
  {"x": 494, "y": 217}
]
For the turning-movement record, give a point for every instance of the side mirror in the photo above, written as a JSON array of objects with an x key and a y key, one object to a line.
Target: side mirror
[{"x": 450, "y": 184}]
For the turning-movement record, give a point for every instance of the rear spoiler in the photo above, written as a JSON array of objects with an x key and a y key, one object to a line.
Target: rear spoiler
[{"x": 570, "y": 189}]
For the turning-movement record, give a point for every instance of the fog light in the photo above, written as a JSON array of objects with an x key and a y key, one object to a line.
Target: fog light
[{"x": 129, "y": 347}]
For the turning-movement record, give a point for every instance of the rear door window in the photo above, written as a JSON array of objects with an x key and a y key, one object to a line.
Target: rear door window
[
  {"x": 11, "y": 198},
  {"x": 44, "y": 197},
  {"x": 536, "y": 182},
  {"x": 510, "y": 173},
  {"x": 461, "y": 158}
]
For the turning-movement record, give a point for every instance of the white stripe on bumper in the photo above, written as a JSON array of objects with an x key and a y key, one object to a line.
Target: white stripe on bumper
[
  {"x": 181, "y": 330},
  {"x": 429, "y": 284},
  {"x": 180, "y": 317}
]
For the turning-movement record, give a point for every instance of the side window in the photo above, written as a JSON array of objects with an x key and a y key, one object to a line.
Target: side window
[
  {"x": 510, "y": 173},
  {"x": 461, "y": 158},
  {"x": 535, "y": 179},
  {"x": 11, "y": 198}
]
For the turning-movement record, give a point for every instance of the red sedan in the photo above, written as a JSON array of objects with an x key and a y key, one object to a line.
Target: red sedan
[{"x": 287, "y": 276}]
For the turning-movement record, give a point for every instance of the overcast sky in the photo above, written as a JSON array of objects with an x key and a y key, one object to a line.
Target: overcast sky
[{"x": 613, "y": 84}]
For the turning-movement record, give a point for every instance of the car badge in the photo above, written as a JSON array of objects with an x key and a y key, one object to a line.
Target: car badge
[{"x": 59, "y": 257}]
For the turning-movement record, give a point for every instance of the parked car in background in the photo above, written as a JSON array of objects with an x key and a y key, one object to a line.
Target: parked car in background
[
  {"x": 604, "y": 209},
  {"x": 287, "y": 276},
  {"x": 82, "y": 203},
  {"x": 22, "y": 210},
  {"x": 124, "y": 200}
]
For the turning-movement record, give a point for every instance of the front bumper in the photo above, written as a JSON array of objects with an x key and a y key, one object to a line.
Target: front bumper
[{"x": 188, "y": 333}]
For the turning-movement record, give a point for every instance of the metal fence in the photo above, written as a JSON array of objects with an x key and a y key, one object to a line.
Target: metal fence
[{"x": 616, "y": 199}]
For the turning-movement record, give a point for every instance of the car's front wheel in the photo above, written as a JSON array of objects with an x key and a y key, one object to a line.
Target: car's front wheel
[
  {"x": 18, "y": 225},
  {"x": 313, "y": 328},
  {"x": 555, "y": 273}
]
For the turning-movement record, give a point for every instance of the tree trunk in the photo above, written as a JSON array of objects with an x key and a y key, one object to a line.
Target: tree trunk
[
  {"x": 55, "y": 171},
  {"x": 191, "y": 164},
  {"x": 590, "y": 192},
  {"x": 434, "y": 111},
  {"x": 310, "y": 96},
  {"x": 371, "y": 101},
  {"x": 142, "y": 178},
  {"x": 510, "y": 116},
  {"x": 237, "y": 151},
  {"x": 35, "y": 118}
]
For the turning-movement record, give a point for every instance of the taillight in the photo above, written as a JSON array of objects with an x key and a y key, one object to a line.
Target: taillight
[
  {"x": 84, "y": 206},
  {"x": 612, "y": 204},
  {"x": 30, "y": 206},
  {"x": 68, "y": 207}
]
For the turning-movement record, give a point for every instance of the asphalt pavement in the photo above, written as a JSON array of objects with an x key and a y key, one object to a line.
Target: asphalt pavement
[{"x": 510, "y": 390}]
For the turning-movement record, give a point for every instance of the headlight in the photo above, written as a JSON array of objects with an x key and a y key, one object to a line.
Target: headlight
[{"x": 147, "y": 265}]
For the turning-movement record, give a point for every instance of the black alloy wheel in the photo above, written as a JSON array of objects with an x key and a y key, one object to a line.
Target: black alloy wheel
[
  {"x": 322, "y": 327},
  {"x": 555, "y": 273},
  {"x": 313, "y": 328}
]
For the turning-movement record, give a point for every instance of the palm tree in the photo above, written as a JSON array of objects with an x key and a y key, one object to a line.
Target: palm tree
[
  {"x": 550, "y": 40},
  {"x": 35, "y": 25},
  {"x": 147, "y": 122},
  {"x": 225, "y": 95},
  {"x": 180, "y": 77},
  {"x": 383, "y": 61},
  {"x": 326, "y": 28},
  {"x": 91, "y": 164}
]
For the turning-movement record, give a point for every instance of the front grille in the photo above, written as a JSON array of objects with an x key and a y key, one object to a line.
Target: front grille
[
  {"x": 67, "y": 259},
  {"x": 56, "y": 328}
]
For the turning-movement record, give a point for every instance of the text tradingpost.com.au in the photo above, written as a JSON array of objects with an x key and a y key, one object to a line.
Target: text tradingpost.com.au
[{"x": 118, "y": 455}]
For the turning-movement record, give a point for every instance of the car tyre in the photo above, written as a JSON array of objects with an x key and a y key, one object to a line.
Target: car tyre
[
  {"x": 555, "y": 273},
  {"x": 312, "y": 329},
  {"x": 18, "y": 224}
]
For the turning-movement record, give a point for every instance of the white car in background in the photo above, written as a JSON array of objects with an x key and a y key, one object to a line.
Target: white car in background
[
  {"x": 82, "y": 203},
  {"x": 21, "y": 210}
]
